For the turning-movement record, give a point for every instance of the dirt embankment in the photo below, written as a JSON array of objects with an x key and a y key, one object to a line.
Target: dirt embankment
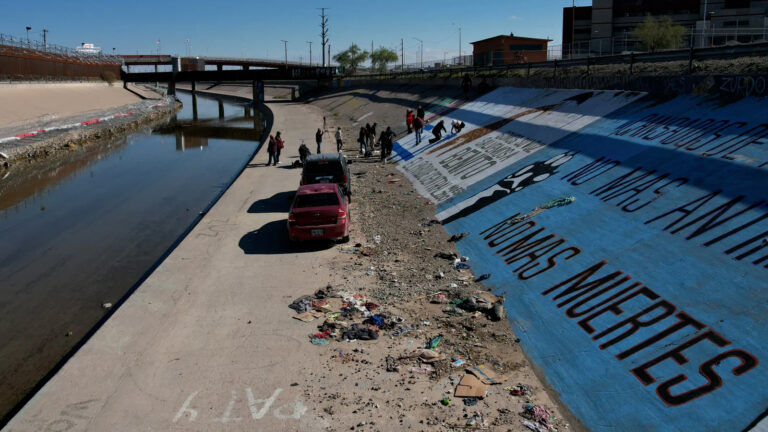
[{"x": 399, "y": 258}]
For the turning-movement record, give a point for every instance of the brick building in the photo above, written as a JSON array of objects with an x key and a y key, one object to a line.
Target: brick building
[{"x": 502, "y": 50}]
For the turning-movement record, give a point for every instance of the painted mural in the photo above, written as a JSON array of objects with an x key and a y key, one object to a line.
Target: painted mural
[{"x": 630, "y": 238}]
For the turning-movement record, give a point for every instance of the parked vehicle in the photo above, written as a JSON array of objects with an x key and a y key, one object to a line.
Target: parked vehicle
[
  {"x": 319, "y": 212},
  {"x": 327, "y": 168}
]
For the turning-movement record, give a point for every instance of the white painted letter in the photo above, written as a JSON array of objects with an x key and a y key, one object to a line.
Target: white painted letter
[
  {"x": 298, "y": 410},
  {"x": 186, "y": 408},
  {"x": 226, "y": 417},
  {"x": 257, "y": 414}
]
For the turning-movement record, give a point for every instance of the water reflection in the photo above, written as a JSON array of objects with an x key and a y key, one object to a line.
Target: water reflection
[{"x": 194, "y": 133}]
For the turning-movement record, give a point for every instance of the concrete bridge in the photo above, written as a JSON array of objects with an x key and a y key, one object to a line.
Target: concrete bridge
[{"x": 200, "y": 63}]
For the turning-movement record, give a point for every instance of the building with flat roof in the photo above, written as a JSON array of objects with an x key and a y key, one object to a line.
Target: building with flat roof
[
  {"x": 607, "y": 26},
  {"x": 509, "y": 49}
]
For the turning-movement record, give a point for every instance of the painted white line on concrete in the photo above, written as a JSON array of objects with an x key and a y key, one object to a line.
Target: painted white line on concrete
[{"x": 364, "y": 116}]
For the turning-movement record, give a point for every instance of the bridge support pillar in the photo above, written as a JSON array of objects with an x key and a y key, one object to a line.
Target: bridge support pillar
[
  {"x": 221, "y": 109},
  {"x": 193, "y": 87},
  {"x": 172, "y": 88},
  {"x": 219, "y": 68},
  {"x": 258, "y": 91}
]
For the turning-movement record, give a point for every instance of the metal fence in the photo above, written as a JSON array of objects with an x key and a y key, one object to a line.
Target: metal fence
[
  {"x": 54, "y": 49},
  {"x": 630, "y": 59}
]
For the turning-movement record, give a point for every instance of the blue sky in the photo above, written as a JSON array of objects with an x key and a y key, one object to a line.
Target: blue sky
[{"x": 255, "y": 28}]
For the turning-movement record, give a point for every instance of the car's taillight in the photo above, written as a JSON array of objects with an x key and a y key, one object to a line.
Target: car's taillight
[
  {"x": 291, "y": 219},
  {"x": 342, "y": 216}
]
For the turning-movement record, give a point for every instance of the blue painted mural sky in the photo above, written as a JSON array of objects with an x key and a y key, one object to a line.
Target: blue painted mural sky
[{"x": 256, "y": 28}]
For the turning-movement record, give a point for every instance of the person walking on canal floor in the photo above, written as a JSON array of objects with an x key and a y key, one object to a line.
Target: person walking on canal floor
[
  {"x": 271, "y": 149},
  {"x": 278, "y": 147},
  {"x": 418, "y": 125},
  {"x": 409, "y": 120},
  {"x": 319, "y": 139},
  {"x": 339, "y": 143}
]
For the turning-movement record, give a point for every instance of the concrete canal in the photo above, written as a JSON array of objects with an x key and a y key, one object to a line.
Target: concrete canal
[{"x": 77, "y": 237}]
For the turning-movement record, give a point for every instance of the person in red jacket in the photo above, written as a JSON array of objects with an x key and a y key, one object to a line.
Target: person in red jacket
[
  {"x": 278, "y": 147},
  {"x": 409, "y": 120}
]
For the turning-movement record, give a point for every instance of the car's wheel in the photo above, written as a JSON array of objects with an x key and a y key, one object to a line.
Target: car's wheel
[{"x": 345, "y": 239}]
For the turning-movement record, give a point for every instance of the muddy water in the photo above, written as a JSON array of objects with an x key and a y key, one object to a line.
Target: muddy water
[{"x": 81, "y": 234}]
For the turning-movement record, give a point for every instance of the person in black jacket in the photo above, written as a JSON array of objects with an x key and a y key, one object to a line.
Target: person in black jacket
[
  {"x": 318, "y": 139},
  {"x": 437, "y": 132}
]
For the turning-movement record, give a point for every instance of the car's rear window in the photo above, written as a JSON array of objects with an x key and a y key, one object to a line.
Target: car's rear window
[
  {"x": 316, "y": 200},
  {"x": 323, "y": 168}
]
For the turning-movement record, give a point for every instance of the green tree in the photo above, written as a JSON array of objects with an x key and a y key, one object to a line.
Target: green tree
[
  {"x": 351, "y": 58},
  {"x": 380, "y": 57},
  {"x": 659, "y": 34}
]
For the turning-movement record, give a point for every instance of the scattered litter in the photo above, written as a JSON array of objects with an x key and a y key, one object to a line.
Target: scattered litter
[
  {"x": 391, "y": 364},
  {"x": 434, "y": 342},
  {"x": 470, "y": 401},
  {"x": 461, "y": 266},
  {"x": 498, "y": 313},
  {"x": 534, "y": 426},
  {"x": 357, "y": 332},
  {"x": 453, "y": 310},
  {"x": 482, "y": 277},
  {"x": 446, "y": 256},
  {"x": 440, "y": 299},
  {"x": 539, "y": 415},
  {"x": 308, "y": 316},
  {"x": 474, "y": 420},
  {"x": 485, "y": 375},
  {"x": 446, "y": 401},
  {"x": 350, "y": 250},
  {"x": 425, "y": 369},
  {"x": 393, "y": 181},
  {"x": 456, "y": 237},
  {"x": 401, "y": 330},
  {"x": 4, "y": 156},
  {"x": 458, "y": 362},
  {"x": 319, "y": 341},
  {"x": 425, "y": 355},
  {"x": 470, "y": 386},
  {"x": 377, "y": 239},
  {"x": 106, "y": 305},
  {"x": 301, "y": 304}
]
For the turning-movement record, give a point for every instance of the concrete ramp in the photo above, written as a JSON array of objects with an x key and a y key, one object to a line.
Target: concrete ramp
[{"x": 630, "y": 236}]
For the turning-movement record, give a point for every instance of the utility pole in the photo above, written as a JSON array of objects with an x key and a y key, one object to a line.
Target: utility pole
[
  {"x": 459, "y": 27},
  {"x": 310, "y": 52},
  {"x": 45, "y": 38},
  {"x": 28, "y": 29},
  {"x": 421, "y": 51},
  {"x": 402, "y": 56},
  {"x": 324, "y": 35},
  {"x": 285, "y": 43},
  {"x": 371, "y": 54}
]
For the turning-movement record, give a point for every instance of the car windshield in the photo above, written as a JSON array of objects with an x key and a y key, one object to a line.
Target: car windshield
[{"x": 316, "y": 200}]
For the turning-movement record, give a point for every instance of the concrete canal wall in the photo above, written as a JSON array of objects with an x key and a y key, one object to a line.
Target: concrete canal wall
[{"x": 629, "y": 234}]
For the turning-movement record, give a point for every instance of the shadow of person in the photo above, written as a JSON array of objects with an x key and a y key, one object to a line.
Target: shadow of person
[
  {"x": 277, "y": 203},
  {"x": 272, "y": 238}
]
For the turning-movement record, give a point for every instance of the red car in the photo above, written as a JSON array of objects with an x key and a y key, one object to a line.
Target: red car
[{"x": 319, "y": 212}]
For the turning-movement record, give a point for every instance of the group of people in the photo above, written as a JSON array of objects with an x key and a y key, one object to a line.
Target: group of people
[
  {"x": 416, "y": 122},
  {"x": 367, "y": 140},
  {"x": 274, "y": 146}
]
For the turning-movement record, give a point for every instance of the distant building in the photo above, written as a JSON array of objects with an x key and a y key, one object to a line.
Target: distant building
[
  {"x": 502, "y": 50},
  {"x": 607, "y": 26},
  {"x": 88, "y": 48}
]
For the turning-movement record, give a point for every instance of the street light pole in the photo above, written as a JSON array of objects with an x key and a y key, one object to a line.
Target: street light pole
[
  {"x": 310, "y": 52},
  {"x": 285, "y": 44},
  {"x": 460, "y": 59},
  {"x": 421, "y": 51},
  {"x": 28, "y": 29},
  {"x": 704, "y": 24}
]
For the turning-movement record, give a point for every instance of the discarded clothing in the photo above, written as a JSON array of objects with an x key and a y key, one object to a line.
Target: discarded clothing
[
  {"x": 376, "y": 320},
  {"x": 361, "y": 333},
  {"x": 301, "y": 304},
  {"x": 470, "y": 401},
  {"x": 319, "y": 342},
  {"x": 391, "y": 364}
]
